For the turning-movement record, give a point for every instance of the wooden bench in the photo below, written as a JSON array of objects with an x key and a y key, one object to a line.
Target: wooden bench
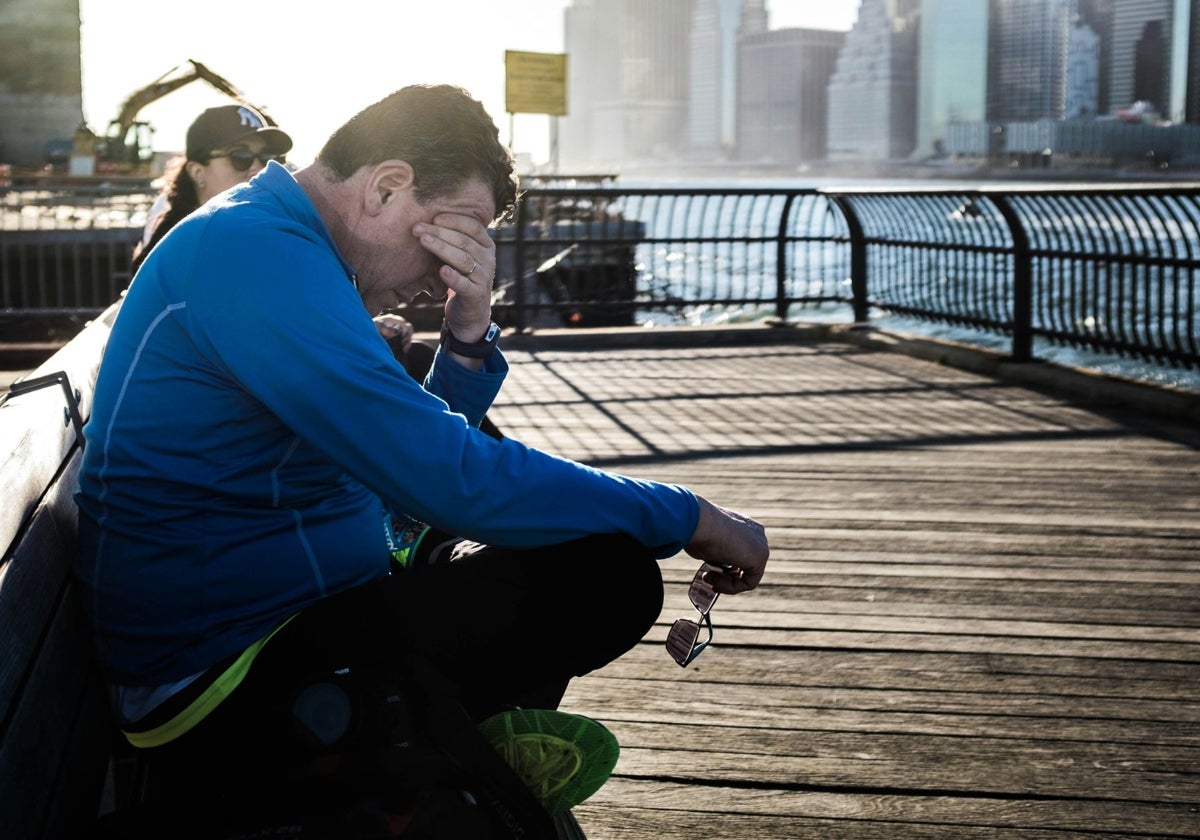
[
  {"x": 60, "y": 762},
  {"x": 55, "y": 731}
]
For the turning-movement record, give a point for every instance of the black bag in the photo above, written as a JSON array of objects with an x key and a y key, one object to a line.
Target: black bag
[{"x": 367, "y": 755}]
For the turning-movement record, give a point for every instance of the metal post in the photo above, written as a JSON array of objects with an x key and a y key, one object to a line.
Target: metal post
[
  {"x": 554, "y": 145},
  {"x": 781, "y": 266},
  {"x": 519, "y": 264},
  {"x": 1022, "y": 326},
  {"x": 858, "y": 259}
]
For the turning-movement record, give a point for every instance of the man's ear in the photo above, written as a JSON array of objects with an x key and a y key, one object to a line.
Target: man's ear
[{"x": 388, "y": 180}]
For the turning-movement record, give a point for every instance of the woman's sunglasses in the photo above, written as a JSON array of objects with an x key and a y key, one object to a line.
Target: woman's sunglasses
[{"x": 243, "y": 159}]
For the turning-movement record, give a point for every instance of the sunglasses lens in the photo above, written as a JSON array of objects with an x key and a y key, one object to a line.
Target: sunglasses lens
[
  {"x": 241, "y": 159},
  {"x": 701, "y": 594},
  {"x": 682, "y": 640}
]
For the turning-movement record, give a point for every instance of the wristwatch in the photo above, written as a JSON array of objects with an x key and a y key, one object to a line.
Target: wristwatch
[{"x": 481, "y": 349}]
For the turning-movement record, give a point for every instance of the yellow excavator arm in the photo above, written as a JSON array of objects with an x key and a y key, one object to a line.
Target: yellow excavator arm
[{"x": 124, "y": 144}]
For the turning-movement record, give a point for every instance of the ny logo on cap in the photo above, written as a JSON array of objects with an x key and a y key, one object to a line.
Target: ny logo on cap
[{"x": 249, "y": 118}]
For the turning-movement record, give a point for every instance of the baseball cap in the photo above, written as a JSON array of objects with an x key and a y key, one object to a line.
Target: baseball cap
[{"x": 219, "y": 128}]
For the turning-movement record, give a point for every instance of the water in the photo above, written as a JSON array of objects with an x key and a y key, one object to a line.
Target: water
[{"x": 687, "y": 271}]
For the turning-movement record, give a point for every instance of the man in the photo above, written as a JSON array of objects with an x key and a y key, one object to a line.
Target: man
[{"x": 253, "y": 443}]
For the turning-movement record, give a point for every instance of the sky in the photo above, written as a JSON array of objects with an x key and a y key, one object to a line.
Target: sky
[{"x": 312, "y": 66}]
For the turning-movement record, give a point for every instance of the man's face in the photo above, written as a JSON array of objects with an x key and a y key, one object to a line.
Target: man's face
[{"x": 393, "y": 267}]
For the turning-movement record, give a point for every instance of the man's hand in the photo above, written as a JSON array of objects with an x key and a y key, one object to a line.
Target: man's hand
[
  {"x": 469, "y": 257},
  {"x": 392, "y": 326},
  {"x": 724, "y": 537}
]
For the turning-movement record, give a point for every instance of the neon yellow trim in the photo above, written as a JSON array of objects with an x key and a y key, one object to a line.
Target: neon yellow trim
[{"x": 210, "y": 698}]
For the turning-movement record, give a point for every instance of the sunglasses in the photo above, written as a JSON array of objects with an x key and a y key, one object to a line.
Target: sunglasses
[
  {"x": 243, "y": 159},
  {"x": 683, "y": 641}
]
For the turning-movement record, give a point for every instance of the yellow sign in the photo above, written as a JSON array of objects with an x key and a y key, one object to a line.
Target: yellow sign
[{"x": 535, "y": 83}]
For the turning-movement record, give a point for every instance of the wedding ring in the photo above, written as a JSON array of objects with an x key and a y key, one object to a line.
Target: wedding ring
[{"x": 471, "y": 270}]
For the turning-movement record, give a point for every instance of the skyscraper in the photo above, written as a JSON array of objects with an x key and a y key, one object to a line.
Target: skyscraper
[
  {"x": 1027, "y": 61},
  {"x": 713, "y": 77},
  {"x": 628, "y": 82},
  {"x": 41, "y": 87},
  {"x": 1141, "y": 43},
  {"x": 1182, "y": 46},
  {"x": 754, "y": 18},
  {"x": 1097, "y": 14},
  {"x": 783, "y": 83},
  {"x": 1083, "y": 73},
  {"x": 1192, "y": 97},
  {"x": 872, "y": 94},
  {"x": 951, "y": 69},
  {"x": 705, "y": 81}
]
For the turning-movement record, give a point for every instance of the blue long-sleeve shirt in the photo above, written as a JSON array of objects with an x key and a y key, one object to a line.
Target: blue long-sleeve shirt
[{"x": 249, "y": 427}]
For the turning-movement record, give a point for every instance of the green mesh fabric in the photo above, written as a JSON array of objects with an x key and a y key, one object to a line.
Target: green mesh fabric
[{"x": 563, "y": 758}]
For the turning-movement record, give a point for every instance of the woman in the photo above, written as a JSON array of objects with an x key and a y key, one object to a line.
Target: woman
[{"x": 225, "y": 146}]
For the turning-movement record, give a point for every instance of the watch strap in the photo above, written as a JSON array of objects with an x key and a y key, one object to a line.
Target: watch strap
[{"x": 481, "y": 349}]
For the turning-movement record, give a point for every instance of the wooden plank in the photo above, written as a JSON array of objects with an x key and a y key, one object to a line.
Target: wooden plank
[
  {"x": 55, "y": 749},
  {"x": 932, "y": 712},
  {"x": 777, "y": 602},
  {"x": 866, "y": 622},
  {"x": 983, "y": 766},
  {"x": 1166, "y": 597},
  {"x": 998, "y": 676},
  {"x": 35, "y": 436},
  {"x": 645, "y": 808},
  {"x": 54, "y": 725},
  {"x": 34, "y": 440},
  {"x": 732, "y": 637},
  {"x": 32, "y": 584}
]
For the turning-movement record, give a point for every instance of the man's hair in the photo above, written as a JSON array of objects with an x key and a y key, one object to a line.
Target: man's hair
[{"x": 440, "y": 131}]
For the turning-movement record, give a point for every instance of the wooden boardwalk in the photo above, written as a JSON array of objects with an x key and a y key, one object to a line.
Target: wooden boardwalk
[{"x": 981, "y": 617}]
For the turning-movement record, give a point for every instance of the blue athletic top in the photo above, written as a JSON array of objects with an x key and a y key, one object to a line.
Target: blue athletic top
[{"x": 250, "y": 425}]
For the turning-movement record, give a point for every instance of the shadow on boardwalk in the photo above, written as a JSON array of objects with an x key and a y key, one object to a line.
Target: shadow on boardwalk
[{"x": 980, "y": 619}]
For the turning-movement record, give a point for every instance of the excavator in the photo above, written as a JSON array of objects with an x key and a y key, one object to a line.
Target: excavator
[{"x": 126, "y": 149}]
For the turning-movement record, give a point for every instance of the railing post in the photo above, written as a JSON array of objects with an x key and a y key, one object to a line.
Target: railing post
[
  {"x": 519, "y": 313},
  {"x": 781, "y": 267},
  {"x": 858, "y": 259},
  {"x": 1022, "y": 326}
]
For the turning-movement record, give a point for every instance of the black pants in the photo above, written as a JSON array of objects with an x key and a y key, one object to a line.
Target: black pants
[{"x": 504, "y": 628}]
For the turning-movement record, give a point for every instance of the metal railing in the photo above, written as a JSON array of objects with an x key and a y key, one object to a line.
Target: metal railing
[
  {"x": 1115, "y": 270},
  {"x": 67, "y": 251},
  {"x": 1111, "y": 270},
  {"x": 672, "y": 256}
]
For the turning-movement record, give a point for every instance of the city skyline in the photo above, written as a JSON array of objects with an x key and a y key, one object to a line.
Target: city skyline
[
  {"x": 687, "y": 81},
  {"x": 367, "y": 55},
  {"x": 1033, "y": 83}
]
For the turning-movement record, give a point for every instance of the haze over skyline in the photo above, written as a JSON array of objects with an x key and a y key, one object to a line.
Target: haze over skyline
[{"x": 365, "y": 50}]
